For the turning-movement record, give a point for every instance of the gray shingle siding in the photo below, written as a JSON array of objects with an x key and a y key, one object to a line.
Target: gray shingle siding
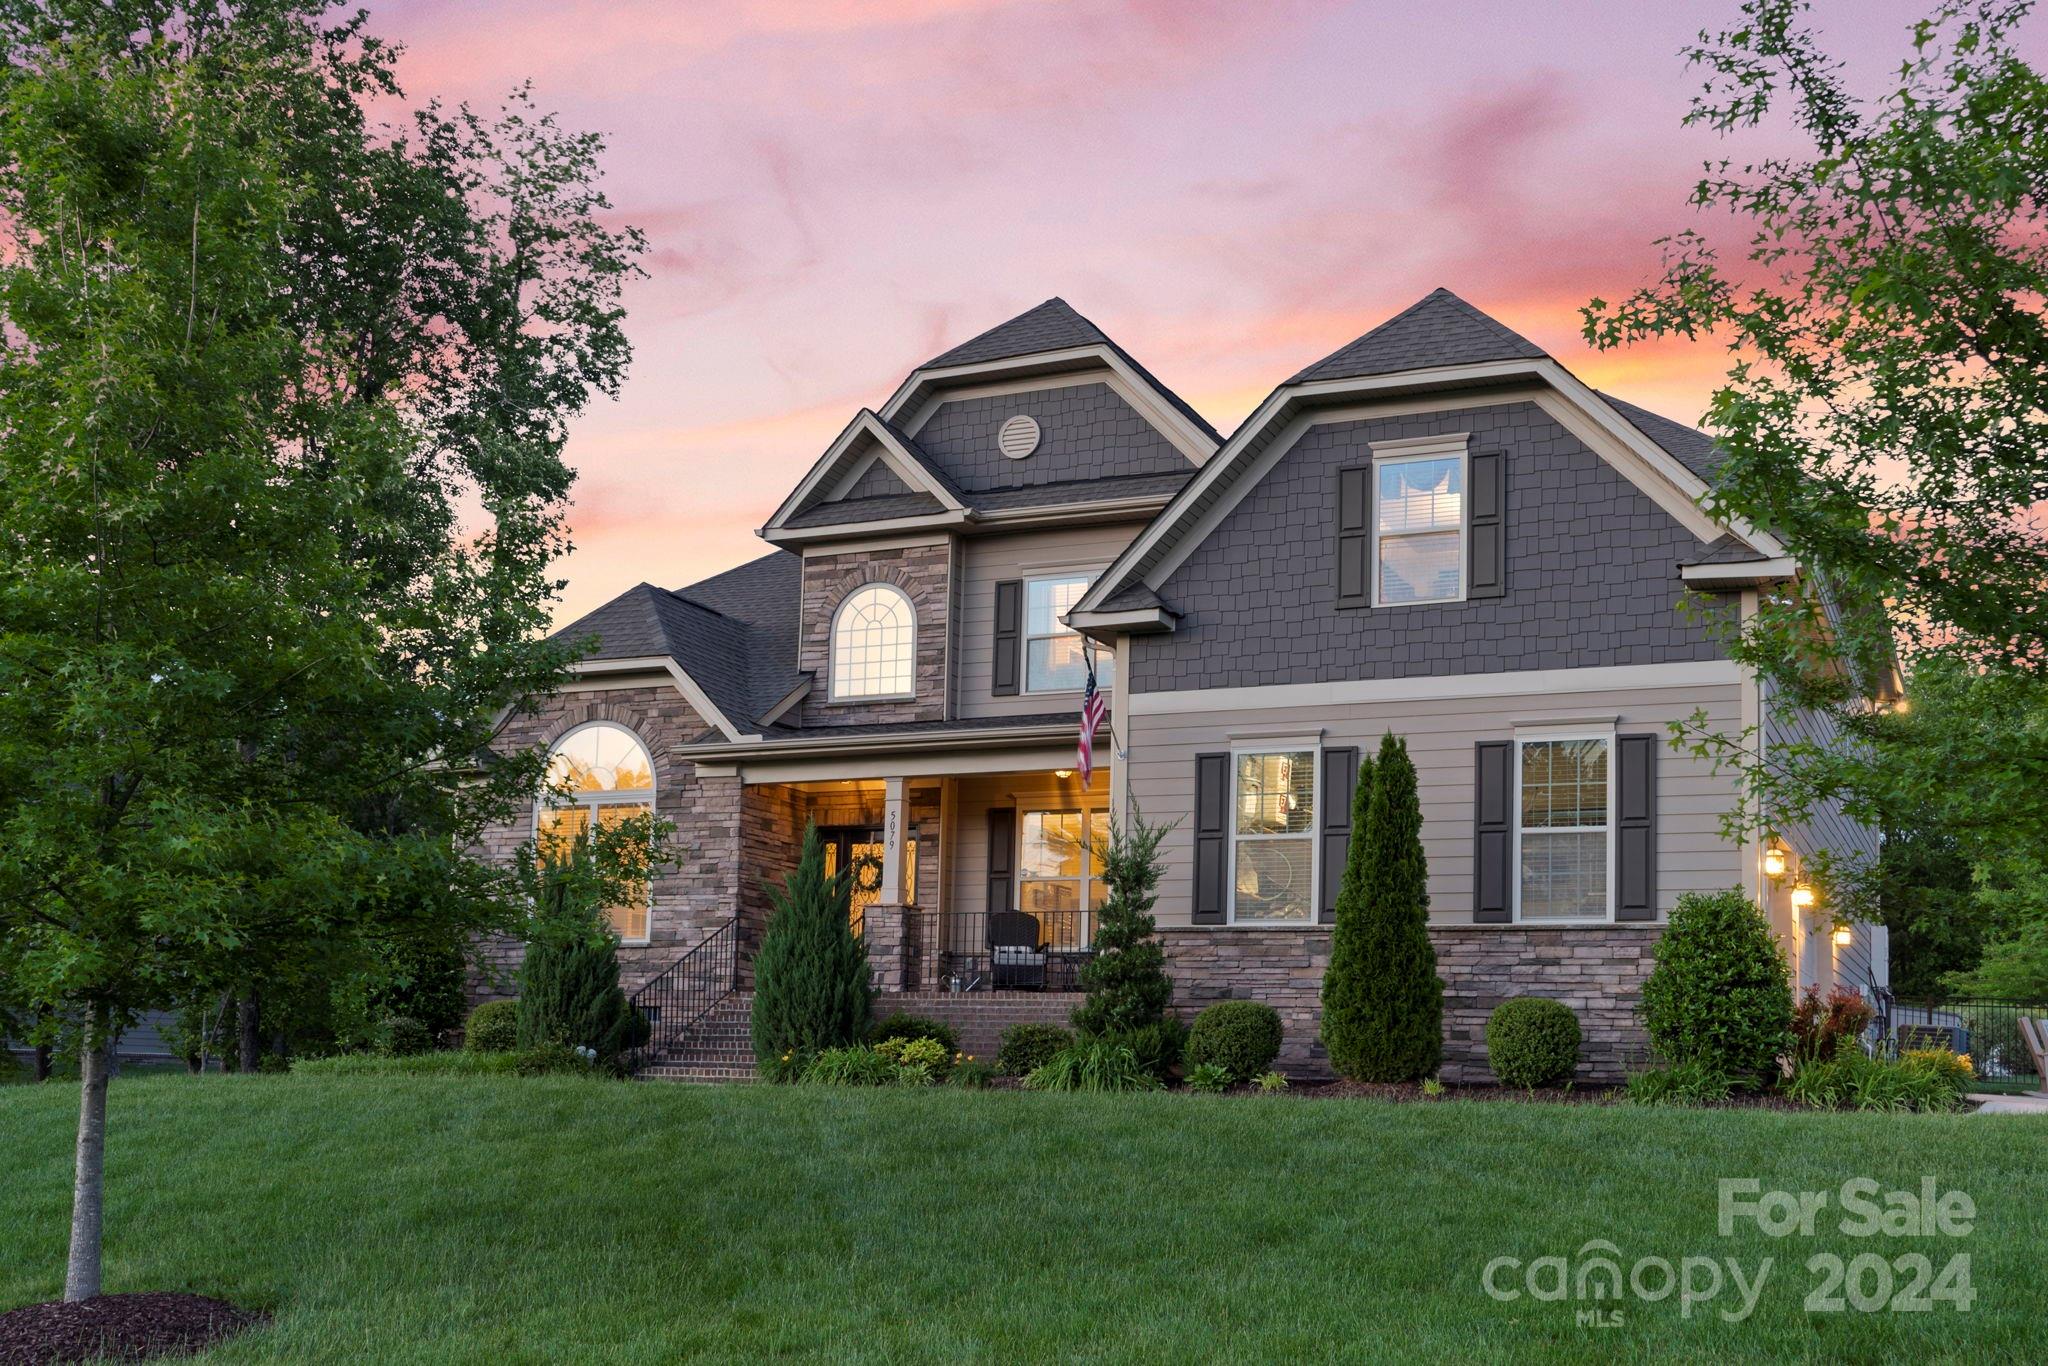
[
  {"x": 1086, "y": 431},
  {"x": 879, "y": 482},
  {"x": 1592, "y": 573}
]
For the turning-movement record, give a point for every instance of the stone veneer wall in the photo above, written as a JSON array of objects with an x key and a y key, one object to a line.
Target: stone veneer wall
[
  {"x": 923, "y": 572},
  {"x": 1597, "y": 971},
  {"x": 689, "y": 900}
]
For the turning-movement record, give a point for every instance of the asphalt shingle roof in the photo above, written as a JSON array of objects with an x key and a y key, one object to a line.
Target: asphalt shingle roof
[
  {"x": 1438, "y": 329},
  {"x": 1693, "y": 449},
  {"x": 847, "y": 510}
]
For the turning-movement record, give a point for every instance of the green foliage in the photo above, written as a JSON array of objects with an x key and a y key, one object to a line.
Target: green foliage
[
  {"x": 1886, "y": 418},
  {"x": 427, "y": 982},
  {"x": 1213, "y": 1078},
  {"x": 1270, "y": 1083},
  {"x": 811, "y": 985},
  {"x": 493, "y": 1028},
  {"x": 973, "y": 1076},
  {"x": 1157, "y": 1046},
  {"x": 1719, "y": 993},
  {"x": 1382, "y": 999},
  {"x": 1532, "y": 1041},
  {"x": 1820, "y": 1027},
  {"x": 1929, "y": 1082},
  {"x": 1688, "y": 1083},
  {"x": 1126, "y": 980},
  {"x": 1028, "y": 1047},
  {"x": 1242, "y": 1037},
  {"x": 569, "y": 990},
  {"x": 1995, "y": 1037},
  {"x": 557, "y": 1060},
  {"x": 919, "y": 1062},
  {"x": 1092, "y": 1064},
  {"x": 852, "y": 1065},
  {"x": 401, "y": 1036},
  {"x": 906, "y": 1026},
  {"x": 443, "y": 1064},
  {"x": 1926, "y": 898},
  {"x": 1432, "y": 1087}
]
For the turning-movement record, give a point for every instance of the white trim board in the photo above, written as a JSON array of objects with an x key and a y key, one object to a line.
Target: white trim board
[
  {"x": 1514, "y": 683},
  {"x": 697, "y": 697}
]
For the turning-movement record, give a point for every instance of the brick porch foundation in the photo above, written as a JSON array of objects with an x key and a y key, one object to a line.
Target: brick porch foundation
[{"x": 980, "y": 1017}]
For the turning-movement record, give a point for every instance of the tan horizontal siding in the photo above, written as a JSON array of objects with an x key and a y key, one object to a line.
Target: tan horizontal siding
[
  {"x": 1692, "y": 855},
  {"x": 985, "y": 560}
]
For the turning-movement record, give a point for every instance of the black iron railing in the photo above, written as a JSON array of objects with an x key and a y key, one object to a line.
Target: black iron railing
[
  {"x": 688, "y": 990},
  {"x": 1989, "y": 1031},
  {"x": 996, "y": 951}
]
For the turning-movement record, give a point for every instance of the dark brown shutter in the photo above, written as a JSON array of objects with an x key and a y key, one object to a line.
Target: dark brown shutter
[
  {"x": 1354, "y": 537},
  {"x": 1340, "y": 782},
  {"x": 1489, "y": 545},
  {"x": 1212, "y": 837},
  {"x": 1635, "y": 832},
  {"x": 1002, "y": 858},
  {"x": 1008, "y": 665},
  {"x": 1493, "y": 809}
]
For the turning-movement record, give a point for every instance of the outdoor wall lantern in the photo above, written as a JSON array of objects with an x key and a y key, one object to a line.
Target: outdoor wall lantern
[
  {"x": 1844, "y": 936},
  {"x": 1774, "y": 861},
  {"x": 1802, "y": 897}
]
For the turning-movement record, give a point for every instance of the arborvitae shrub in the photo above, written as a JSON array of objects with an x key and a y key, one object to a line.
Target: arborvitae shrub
[
  {"x": 1382, "y": 1000},
  {"x": 1126, "y": 980},
  {"x": 811, "y": 985}
]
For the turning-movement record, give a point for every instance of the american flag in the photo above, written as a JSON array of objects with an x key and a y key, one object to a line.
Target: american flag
[{"x": 1093, "y": 709}]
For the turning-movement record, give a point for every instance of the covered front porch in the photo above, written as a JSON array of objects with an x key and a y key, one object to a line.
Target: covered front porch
[{"x": 975, "y": 867}]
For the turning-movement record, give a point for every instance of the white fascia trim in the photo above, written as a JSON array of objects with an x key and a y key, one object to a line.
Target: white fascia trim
[
  {"x": 843, "y": 530},
  {"x": 907, "y": 467},
  {"x": 687, "y": 685},
  {"x": 1514, "y": 683},
  {"x": 1133, "y": 619},
  {"x": 1060, "y": 512},
  {"x": 993, "y": 738},
  {"x": 752, "y": 767},
  {"x": 1779, "y": 569},
  {"x": 1196, "y": 444}
]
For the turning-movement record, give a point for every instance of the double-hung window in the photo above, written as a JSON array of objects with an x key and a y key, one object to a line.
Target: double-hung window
[
  {"x": 1419, "y": 522},
  {"x": 1564, "y": 828},
  {"x": 1273, "y": 858},
  {"x": 1059, "y": 871},
  {"x": 1053, "y": 651}
]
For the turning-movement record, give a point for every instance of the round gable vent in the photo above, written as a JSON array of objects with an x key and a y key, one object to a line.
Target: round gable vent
[{"x": 1018, "y": 437}]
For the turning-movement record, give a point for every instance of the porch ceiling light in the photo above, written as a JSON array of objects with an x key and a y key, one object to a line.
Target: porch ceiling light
[
  {"x": 1802, "y": 897},
  {"x": 1844, "y": 936},
  {"x": 1063, "y": 773},
  {"x": 1774, "y": 861}
]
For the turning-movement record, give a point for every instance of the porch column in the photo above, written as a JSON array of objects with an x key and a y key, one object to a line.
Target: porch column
[{"x": 895, "y": 812}]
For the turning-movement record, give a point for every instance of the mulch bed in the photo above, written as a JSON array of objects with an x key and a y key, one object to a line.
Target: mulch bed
[{"x": 118, "y": 1328}]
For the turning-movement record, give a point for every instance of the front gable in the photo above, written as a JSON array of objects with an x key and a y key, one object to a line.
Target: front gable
[{"x": 1072, "y": 432}]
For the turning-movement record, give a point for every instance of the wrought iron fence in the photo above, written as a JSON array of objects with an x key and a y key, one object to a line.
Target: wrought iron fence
[
  {"x": 995, "y": 951},
  {"x": 688, "y": 990},
  {"x": 1989, "y": 1031}
]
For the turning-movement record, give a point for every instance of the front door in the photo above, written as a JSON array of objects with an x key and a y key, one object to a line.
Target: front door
[{"x": 860, "y": 848}]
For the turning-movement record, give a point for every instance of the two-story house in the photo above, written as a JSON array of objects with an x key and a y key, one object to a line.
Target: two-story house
[{"x": 1436, "y": 530}]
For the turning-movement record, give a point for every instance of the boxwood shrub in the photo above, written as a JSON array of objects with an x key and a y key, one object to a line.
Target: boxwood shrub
[
  {"x": 902, "y": 1025},
  {"x": 493, "y": 1028},
  {"x": 1532, "y": 1041},
  {"x": 1028, "y": 1047},
  {"x": 1241, "y": 1036}
]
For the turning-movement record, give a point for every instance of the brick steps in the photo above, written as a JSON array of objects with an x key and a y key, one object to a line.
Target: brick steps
[{"x": 717, "y": 1048}]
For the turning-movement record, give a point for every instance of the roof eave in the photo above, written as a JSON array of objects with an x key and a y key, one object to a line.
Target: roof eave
[
  {"x": 1009, "y": 737},
  {"x": 1740, "y": 574}
]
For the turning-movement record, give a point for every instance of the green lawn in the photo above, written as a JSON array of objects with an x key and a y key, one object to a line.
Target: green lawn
[{"x": 485, "y": 1218}]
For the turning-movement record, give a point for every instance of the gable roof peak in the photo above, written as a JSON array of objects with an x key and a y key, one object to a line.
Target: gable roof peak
[
  {"x": 1438, "y": 329},
  {"x": 1050, "y": 326}
]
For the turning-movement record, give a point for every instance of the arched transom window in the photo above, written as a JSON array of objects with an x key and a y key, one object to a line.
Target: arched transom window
[
  {"x": 874, "y": 644},
  {"x": 599, "y": 776}
]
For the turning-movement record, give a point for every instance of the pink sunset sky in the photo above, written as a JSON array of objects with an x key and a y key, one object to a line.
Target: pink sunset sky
[{"x": 836, "y": 192}]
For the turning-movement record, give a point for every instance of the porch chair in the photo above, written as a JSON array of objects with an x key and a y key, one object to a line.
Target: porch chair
[
  {"x": 2035, "y": 1032},
  {"x": 1015, "y": 959}
]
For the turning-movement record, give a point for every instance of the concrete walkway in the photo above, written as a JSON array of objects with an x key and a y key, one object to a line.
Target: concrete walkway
[{"x": 2031, "y": 1104}]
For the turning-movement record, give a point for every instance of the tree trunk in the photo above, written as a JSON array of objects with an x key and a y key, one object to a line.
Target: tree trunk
[
  {"x": 250, "y": 1019},
  {"x": 42, "y": 1062},
  {"x": 88, "y": 1192}
]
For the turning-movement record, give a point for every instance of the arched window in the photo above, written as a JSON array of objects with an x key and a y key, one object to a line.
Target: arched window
[
  {"x": 599, "y": 776},
  {"x": 874, "y": 644}
]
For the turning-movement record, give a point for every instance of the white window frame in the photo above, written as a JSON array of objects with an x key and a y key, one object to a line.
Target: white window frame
[
  {"x": 1414, "y": 450},
  {"x": 1313, "y": 747},
  {"x": 638, "y": 797},
  {"x": 1524, "y": 738},
  {"x": 832, "y": 646},
  {"x": 1085, "y": 918},
  {"x": 1088, "y": 576}
]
